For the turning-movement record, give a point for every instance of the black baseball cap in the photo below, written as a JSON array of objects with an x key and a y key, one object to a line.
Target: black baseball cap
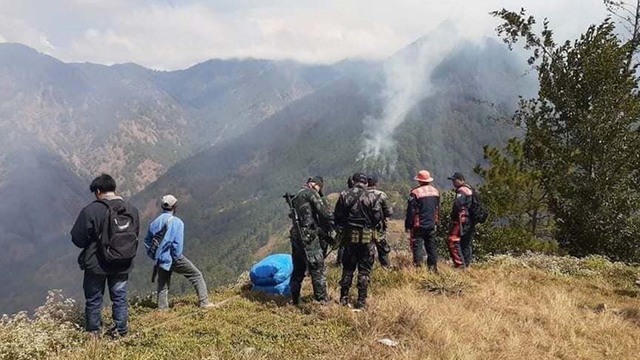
[
  {"x": 372, "y": 180},
  {"x": 316, "y": 179},
  {"x": 359, "y": 178},
  {"x": 456, "y": 176}
]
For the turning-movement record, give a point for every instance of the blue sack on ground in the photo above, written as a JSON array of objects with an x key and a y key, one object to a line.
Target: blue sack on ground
[
  {"x": 280, "y": 289},
  {"x": 272, "y": 270}
]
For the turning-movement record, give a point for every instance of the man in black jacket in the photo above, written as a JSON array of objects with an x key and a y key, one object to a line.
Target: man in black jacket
[
  {"x": 86, "y": 234},
  {"x": 355, "y": 216}
]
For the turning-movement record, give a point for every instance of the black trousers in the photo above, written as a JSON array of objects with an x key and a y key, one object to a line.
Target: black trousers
[
  {"x": 424, "y": 246},
  {"x": 308, "y": 257},
  {"x": 466, "y": 247},
  {"x": 360, "y": 257},
  {"x": 383, "y": 251}
]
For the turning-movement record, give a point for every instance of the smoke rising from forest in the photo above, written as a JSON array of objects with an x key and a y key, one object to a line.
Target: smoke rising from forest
[{"x": 407, "y": 81}]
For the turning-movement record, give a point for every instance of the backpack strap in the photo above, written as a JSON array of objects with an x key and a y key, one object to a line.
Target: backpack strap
[{"x": 102, "y": 229}]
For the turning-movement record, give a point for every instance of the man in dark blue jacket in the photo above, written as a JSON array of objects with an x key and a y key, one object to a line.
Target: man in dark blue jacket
[
  {"x": 422, "y": 217},
  {"x": 86, "y": 234},
  {"x": 463, "y": 227},
  {"x": 168, "y": 254}
]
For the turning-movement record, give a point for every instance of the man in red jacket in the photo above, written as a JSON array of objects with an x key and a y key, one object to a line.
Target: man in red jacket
[{"x": 421, "y": 220}]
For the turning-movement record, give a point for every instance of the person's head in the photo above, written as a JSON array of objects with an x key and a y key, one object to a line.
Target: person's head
[
  {"x": 423, "y": 177},
  {"x": 169, "y": 203},
  {"x": 372, "y": 180},
  {"x": 359, "y": 178},
  {"x": 102, "y": 184},
  {"x": 457, "y": 179},
  {"x": 350, "y": 182},
  {"x": 316, "y": 182}
]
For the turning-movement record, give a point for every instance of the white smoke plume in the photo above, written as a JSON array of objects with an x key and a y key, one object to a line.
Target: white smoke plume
[{"x": 407, "y": 80}]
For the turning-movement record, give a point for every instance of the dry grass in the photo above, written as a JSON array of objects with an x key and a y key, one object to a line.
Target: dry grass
[
  {"x": 530, "y": 307},
  {"x": 489, "y": 312}
]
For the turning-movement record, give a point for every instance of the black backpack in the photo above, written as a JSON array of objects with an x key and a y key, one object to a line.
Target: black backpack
[
  {"x": 118, "y": 241},
  {"x": 479, "y": 213}
]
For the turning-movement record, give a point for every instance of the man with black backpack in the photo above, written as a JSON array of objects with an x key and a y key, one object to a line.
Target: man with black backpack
[
  {"x": 464, "y": 220},
  {"x": 164, "y": 244},
  {"x": 355, "y": 216},
  {"x": 107, "y": 231}
]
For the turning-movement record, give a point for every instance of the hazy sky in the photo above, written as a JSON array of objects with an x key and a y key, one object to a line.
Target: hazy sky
[{"x": 169, "y": 34}]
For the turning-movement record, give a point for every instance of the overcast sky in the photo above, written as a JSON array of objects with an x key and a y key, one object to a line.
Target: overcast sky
[{"x": 170, "y": 34}]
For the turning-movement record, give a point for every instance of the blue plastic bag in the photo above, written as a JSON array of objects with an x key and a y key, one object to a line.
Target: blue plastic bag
[
  {"x": 280, "y": 289},
  {"x": 273, "y": 270}
]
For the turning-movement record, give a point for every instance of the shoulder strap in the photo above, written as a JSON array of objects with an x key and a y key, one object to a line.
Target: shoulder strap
[
  {"x": 165, "y": 226},
  {"x": 350, "y": 207},
  {"x": 102, "y": 229}
]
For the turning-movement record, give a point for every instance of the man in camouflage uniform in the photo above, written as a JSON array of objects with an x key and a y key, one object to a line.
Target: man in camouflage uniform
[
  {"x": 306, "y": 248},
  {"x": 381, "y": 206},
  {"x": 355, "y": 216},
  {"x": 340, "y": 254}
]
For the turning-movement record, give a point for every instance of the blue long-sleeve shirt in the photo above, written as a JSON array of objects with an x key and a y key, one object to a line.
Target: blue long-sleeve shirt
[{"x": 172, "y": 244}]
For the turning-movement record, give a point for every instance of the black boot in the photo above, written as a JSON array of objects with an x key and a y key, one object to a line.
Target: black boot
[
  {"x": 295, "y": 299},
  {"x": 361, "y": 303},
  {"x": 433, "y": 269},
  {"x": 344, "y": 296}
]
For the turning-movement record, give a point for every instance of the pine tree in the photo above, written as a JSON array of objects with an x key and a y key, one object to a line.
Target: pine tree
[{"x": 582, "y": 134}]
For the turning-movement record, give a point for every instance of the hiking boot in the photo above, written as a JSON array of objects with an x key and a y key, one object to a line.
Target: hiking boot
[
  {"x": 344, "y": 301},
  {"x": 208, "y": 306},
  {"x": 361, "y": 305},
  {"x": 115, "y": 334},
  {"x": 296, "y": 300},
  {"x": 433, "y": 269},
  {"x": 95, "y": 335}
]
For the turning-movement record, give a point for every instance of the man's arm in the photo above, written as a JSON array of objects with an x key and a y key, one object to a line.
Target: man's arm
[
  {"x": 148, "y": 242},
  {"x": 339, "y": 212},
  {"x": 387, "y": 210},
  {"x": 461, "y": 204},
  {"x": 321, "y": 208},
  {"x": 177, "y": 245},
  {"x": 408, "y": 220},
  {"x": 80, "y": 231}
]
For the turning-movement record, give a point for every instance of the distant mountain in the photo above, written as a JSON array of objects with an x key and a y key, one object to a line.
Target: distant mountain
[
  {"x": 135, "y": 123},
  {"x": 228, "y": 138},
  {"x": 39, "y": 197},
  {"x": 230, "y": 194},
  {"x": 61, "y": 124}
]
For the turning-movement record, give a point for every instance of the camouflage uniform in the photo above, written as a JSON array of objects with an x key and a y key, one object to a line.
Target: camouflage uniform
[
  {"x": 354, "y": 215},
  {"x": 306, "y": 248},
  {"x": 382, "y": 205}
]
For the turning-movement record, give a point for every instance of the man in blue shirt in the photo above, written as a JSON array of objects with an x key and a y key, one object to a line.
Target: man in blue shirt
[{"x": 168, "y": 256}]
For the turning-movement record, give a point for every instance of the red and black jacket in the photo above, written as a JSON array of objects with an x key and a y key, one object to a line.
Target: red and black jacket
[{"x": 423, "y": 208}]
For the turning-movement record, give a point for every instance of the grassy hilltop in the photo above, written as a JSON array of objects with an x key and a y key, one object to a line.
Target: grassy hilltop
[{"x": 530, "y": 307}]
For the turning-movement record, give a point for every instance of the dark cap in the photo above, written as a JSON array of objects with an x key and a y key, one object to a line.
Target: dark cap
[
  {"x": 372, "y": 180},
  {"x": 316, "y": 179},
  {"x": 456, "y": 176},
  {"x": 359, "y": 178}
]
